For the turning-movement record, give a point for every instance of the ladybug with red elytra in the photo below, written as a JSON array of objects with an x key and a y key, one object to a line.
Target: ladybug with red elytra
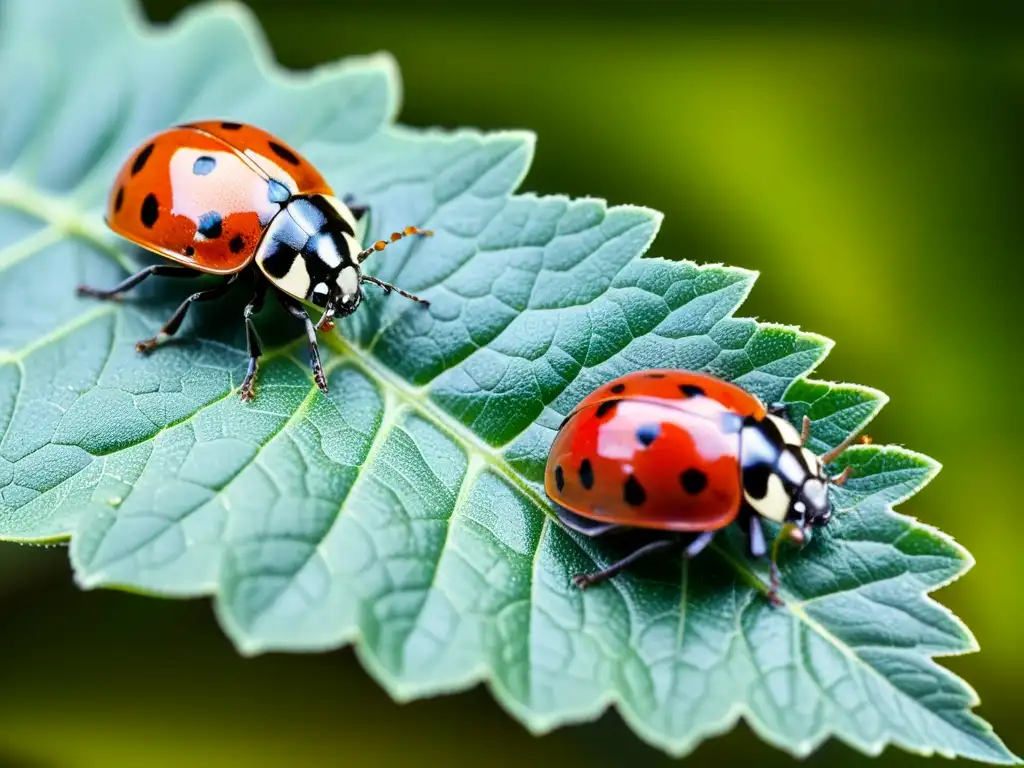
[
  {"x": 686, "y": 454},
  {"x": 229, "y": 199}
]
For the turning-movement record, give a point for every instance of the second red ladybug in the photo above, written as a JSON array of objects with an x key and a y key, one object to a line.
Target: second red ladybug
[{"x": 685, "y": 453}]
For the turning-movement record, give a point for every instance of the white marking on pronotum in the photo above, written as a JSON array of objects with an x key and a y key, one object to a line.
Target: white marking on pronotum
[
  {"x": 353, "y": 245},
  {"x": 791, "y": 469},
  {"x": 327, "y": 251},
  {"x": 756, "y": 448},
  {"x": 307, "y": 216},
  {"x": 789, "y": 434},
  {"x": 811, "y": 460},
  {"x": 296, "y": 282},
  {"x": 775, "y": 503}
]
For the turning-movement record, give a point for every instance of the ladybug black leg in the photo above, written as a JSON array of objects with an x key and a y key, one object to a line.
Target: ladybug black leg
[
  {"x": 694, "y": 548},
  {"x": 388, "y": 288},
  {"x": 584, "y": 580},
  {"x": 756, "y": 544},
  {"x": 252, "y": 340},
  {"x": 359, "y": 213},
  {"x": 160, "y": 270},
  {"x": 778, "y": 409},
  {"x": 171, "y": 326},
  {"x": 698, "y": 545},
  {"x": 358, "y": 210},
  {"x": 314, "y": 351}
]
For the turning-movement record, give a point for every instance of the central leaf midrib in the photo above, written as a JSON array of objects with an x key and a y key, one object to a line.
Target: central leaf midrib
[{"x": 468, "y": 440}]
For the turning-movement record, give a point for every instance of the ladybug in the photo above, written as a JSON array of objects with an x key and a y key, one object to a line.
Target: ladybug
[
  {"x": 230, "y": 199},
  {"x": 676, "y": 453}
]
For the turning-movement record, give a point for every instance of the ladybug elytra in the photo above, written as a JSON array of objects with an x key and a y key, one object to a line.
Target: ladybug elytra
[
  {"x": 685, "y": 453},
  {"x": 230, "y": 199}
]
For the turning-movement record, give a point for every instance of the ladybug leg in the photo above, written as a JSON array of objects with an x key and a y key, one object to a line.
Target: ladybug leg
[
  {"x": 778, "y": 409},
  {"x": 171, "y": 326},
  {"x": 160, "y": 270},
  {"x": 584, "y": 525},
  {"x": 358, "y": 210},
  {"x": 584, "y": 580},
  {"x": 380, "y": 245},
  {"x": 756, "y": 544},
  {"x": 698, "y": 545},
  {"x": 388, "y": 288},
  {"x": 252, "y": 341},
  {"x": 314, "y": 351},
  {"x": 359, "y": 213}
]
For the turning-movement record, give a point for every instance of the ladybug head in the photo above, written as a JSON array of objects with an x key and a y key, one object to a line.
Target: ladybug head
[
  {"x": 811, "y": 506},
  {"x": 339, "y": 296}
]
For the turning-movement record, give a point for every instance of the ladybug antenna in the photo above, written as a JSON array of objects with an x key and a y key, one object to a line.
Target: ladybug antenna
[
  {"x": 805, "y": 430},
  {"x": 843, "y": 476},
  {"x": 828, "y": 458}
]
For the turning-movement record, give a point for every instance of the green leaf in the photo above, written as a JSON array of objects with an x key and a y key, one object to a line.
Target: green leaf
[{"x": 404, "y": 511}]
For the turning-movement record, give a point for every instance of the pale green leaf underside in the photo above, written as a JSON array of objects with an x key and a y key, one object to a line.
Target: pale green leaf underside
[{"x": 404, "y": 511}]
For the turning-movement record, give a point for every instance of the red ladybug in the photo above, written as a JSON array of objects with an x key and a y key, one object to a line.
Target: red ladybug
[
  {"x": 230, "y": 199},
  {"x": 685, "y": 453}
]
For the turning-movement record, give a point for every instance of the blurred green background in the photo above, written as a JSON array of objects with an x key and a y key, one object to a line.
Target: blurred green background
[{"x": 866, "y": 158}]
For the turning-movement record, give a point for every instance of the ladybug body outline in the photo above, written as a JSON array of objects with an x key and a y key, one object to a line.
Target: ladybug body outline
[
  {"x": 231, "y": 200},
  {"x": 683, "y": 455}
]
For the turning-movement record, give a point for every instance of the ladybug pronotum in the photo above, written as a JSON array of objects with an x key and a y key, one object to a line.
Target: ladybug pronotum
[
  {"x": 230, "y": 199},
  {"x": 685, "y": 454}
]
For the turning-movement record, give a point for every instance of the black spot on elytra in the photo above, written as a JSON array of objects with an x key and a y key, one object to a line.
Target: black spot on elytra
[
  {"x": 189, "y": 250},
  {"x": 210, "y": 225},
  {"x": 231, "y": 126},
  {"x": 655, "y": 375},
  {"x": 203, "y": 165},
  {"x": 693, "y": 481},
  {"x": 691, "y": 390},
  {"x": 141, "y": 158},
  {"x": 284, "y": 153},
  {"x": 119, "y": 200},
  {"x": 586, "y": 474},
  {"x": 618, "y": 389},
  {"x": 559, "y": 478},
  {"x": 150, "y": 211},
  {"x": 755, "y": 480},
  {"x": 633, "y": 493},
  {"x": 605, "y": 408},
  {"x": 237, "y": 244},
  {"x": 647, "y": 433}
]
